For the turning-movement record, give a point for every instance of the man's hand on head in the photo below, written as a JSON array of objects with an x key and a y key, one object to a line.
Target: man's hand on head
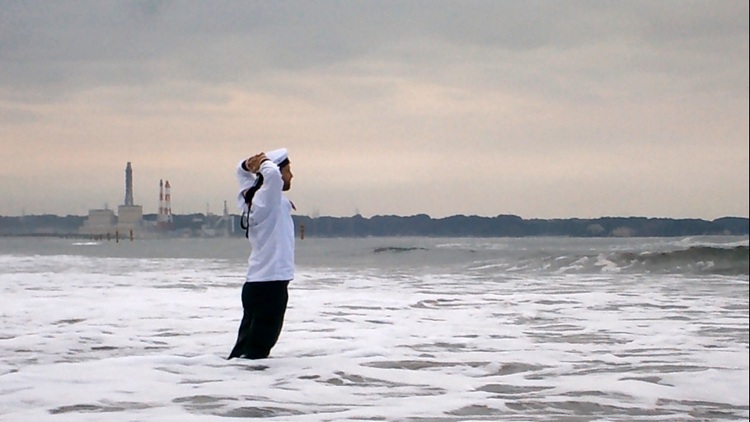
[{"x": 253, "y": 163}]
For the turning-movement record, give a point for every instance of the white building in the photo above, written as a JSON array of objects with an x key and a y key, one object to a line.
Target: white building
[{"x": 99, "y": 222}]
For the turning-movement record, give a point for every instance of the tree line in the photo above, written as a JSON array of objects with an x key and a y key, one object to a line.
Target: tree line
[
  {"x": 515, "y": 226},
  {"x": 424, "y": 225}
]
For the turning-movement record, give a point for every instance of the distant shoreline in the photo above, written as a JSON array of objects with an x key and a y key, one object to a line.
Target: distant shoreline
[{"x": 422, "y": 225}]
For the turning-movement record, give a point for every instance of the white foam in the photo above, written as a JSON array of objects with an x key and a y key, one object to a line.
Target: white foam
[{"x": 145, "y": 339}]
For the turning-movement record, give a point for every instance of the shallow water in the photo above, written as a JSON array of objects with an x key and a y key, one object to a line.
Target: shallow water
[{"x": 396, "y": 329}]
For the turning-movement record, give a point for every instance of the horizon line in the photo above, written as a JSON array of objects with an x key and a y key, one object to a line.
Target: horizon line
[{"x": 415, "y": 215}]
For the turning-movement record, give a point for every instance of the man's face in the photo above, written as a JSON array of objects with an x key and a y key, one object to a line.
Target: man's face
[{"x": 286, "y": 177}]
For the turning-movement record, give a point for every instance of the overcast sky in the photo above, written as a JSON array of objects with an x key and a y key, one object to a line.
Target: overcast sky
[{"x": 542, "y": 109}]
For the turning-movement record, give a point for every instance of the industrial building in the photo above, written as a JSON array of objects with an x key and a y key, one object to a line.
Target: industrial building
[
  {"x": 99, "y": 222},
  {"x": 129, "y": 219}
]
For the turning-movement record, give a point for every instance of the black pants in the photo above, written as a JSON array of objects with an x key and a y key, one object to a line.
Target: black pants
[{"x": 264, "y": 305}]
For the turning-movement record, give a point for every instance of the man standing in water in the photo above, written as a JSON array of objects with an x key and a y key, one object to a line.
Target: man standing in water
[{"x": 267, "y": 219}]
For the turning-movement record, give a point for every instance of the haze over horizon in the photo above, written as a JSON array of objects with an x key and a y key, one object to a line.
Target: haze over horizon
[{"x": 567, "y": 109}]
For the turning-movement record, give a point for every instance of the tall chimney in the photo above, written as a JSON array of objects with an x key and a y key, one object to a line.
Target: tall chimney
[
  {"x": 167, "y": 202},
  {"x": 129, "y": 185},
  {"x": 160, "y": 216}
]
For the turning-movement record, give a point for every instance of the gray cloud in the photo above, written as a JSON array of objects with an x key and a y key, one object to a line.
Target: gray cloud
[
  {"x": 516, "y": 82},
  {"x": 51, "y": 44}
]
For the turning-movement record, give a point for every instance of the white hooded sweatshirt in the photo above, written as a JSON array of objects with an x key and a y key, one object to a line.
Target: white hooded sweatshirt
[{"x": 271, "y": 228}]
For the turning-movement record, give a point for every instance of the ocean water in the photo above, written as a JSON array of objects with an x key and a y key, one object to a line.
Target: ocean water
[{"x": 379, "y": 329}]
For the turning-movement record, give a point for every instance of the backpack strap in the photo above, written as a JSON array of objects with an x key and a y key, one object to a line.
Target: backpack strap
[{"x": 249, "y": 194}]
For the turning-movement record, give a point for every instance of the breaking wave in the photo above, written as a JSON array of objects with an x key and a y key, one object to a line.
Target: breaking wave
[
  {"x": 696, "y": 259},
  {"x": 691, "y": 256}
]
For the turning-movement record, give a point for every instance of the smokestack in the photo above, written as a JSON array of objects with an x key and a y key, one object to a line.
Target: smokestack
[
  {"x": 129, "y": 185},
  {"x": 160, "y": 216},
  {"x": 167, "y": 202}
]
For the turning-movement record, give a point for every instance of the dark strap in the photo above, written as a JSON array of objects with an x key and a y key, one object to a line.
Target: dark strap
[{"x": 249, "y": 194}]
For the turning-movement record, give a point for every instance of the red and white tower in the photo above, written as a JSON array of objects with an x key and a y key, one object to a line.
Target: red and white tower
[
  {"x": 160, "y": 215},
  {"x": 164, "y": 218},
  {"x": 168, "y": 203}
]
